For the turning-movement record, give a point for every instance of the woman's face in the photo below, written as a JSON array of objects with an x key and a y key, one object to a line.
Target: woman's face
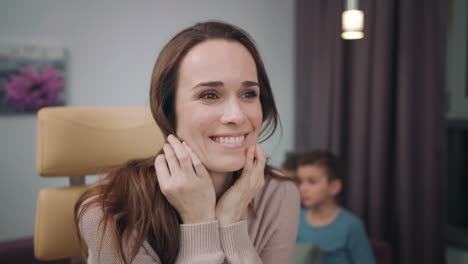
[{"x": 217, "y": 103}]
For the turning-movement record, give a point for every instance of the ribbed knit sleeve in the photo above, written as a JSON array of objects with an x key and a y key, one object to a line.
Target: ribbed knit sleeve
[
  {"x": 269, "y": 234},
  {"x": 236, "y": 244},
  {"x": 200, "y": 243}
]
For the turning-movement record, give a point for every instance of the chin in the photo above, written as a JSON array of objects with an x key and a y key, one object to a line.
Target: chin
[
  {"x": 226, "y": 164},
  {"x": 307, "y": 204}
]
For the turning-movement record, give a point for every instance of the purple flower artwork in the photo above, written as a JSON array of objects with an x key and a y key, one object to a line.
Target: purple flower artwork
[
  {"x": 29, "y": 90},
  {"x": 31, "y": 77}
]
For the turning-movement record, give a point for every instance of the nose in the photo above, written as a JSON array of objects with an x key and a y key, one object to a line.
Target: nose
[{"x": 233, "y": 113}]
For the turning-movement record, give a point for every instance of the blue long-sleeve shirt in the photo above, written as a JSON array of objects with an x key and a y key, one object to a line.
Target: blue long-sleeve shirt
[{"x": 342, "y": 241}]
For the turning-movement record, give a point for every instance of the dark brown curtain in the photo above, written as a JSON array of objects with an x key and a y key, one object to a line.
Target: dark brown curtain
[{"x": 379, "y": 104}]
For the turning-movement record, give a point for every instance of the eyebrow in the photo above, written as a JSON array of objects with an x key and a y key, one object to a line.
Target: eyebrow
[{"x": 219, "y": 83}]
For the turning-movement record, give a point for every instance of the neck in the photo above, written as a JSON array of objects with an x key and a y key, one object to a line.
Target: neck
[
  {"x": 221, "y": 182},
  {"x": 324, "y": 210}
]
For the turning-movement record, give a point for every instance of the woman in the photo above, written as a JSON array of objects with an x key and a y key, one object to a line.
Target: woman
[{"x": 208, "y": 197}]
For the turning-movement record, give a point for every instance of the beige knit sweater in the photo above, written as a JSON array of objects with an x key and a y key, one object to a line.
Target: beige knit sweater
[{"x": 266, "y": 236}]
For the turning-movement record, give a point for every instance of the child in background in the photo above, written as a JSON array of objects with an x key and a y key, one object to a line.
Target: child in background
[{"x": 339, "y": 233}]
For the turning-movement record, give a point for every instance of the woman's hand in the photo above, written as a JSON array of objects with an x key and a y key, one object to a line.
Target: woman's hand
[
  {"x": 185, "y": 182},
  {"x": 235, "y": 200}
]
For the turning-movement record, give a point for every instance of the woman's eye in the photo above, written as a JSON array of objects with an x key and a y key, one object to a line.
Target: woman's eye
[
  {"x": 208, "y": 95},
  {"x": 250, "y": 94}
]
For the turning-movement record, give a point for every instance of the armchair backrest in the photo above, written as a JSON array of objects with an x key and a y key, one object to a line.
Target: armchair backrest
[{"x": 78, "y": 141}]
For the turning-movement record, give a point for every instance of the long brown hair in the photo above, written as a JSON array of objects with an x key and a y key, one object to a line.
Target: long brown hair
[{"x": 130, "y": 197}]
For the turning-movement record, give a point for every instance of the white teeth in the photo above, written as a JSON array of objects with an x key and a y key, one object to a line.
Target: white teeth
[{"x": 229, "y": 140}]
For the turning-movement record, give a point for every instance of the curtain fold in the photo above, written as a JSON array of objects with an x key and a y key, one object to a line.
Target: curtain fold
[{"x": 378, "y": 103}]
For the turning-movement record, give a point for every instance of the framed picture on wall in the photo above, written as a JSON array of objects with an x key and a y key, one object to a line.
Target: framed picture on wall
[{"x": 31, "y": 77}]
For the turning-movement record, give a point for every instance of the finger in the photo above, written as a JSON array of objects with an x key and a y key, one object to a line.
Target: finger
[
  {"x": 197, "y": 164},
  {"x": 180, "y": 152},
  {"x": 162, "y": 172},
  {"x": 249, "y": 159},
  {"x": 260, "y": 156},
  {"x": 172, "y": 162},
  {"x": 248, "y": 166},
  {"x": 260, "y": 161}
]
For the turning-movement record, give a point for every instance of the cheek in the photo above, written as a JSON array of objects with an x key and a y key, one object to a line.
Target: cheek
[
  {"x": 192, "y": 124},
  {"x": 323, "y": 190},
  {"x": 305, "y": 188},
  {"x": 255, "y": 116}
]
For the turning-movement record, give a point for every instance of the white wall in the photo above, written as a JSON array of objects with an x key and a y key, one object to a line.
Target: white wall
[{"x": 112, "y": 48}]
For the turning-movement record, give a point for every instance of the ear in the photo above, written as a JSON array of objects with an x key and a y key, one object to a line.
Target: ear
[{"x": 336, "y": 186}]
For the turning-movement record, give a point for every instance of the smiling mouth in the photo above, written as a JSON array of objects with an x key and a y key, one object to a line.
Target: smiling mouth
[{"x": 229, "y": 140}]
